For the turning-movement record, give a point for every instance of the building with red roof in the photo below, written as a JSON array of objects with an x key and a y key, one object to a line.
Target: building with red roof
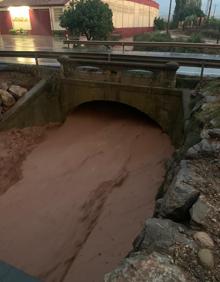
[{"x": 41, "y": 17}]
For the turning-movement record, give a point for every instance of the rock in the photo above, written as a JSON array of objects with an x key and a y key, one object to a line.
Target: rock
[
  {"x": 4, "y": 86},
  {"x": 1, "y": 112},
  {"x": 7, "y": 99},
  {"x": 199, "y": 211},
  {"x": 215, "y": 122},
  {"x": 206, "y": 258},
  {"x": 197, "y": 106},
  {"x": 205, "y": 148},
  {"x": 214, "y": 133},
  {"x": 161, "y": 234},
  {"x": 141, "y": 268},
  {"x": 204, "y": 239},
  {"x": 212, "y": 99},
  {"x": 17, "y": 91},
  {"x": 180, "y": 195},
  {"x": 211, "y": 133}
]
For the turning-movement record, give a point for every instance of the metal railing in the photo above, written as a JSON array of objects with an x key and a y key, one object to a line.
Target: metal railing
[
  {"x": 190, "y": 61},
  {"x": 123, "y": 44}
]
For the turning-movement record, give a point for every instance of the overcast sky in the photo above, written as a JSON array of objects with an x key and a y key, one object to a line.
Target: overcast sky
[{"x": 164, "y": 5}]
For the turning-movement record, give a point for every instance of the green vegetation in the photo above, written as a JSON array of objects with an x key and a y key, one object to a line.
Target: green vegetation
[
  {"x": 20, "y": 31},
  {"x": 195, "y": 38},
  {"x": 91, "y": 18},
  {"x": 211, "y": 29},
  {"x": 153, "y": 37},
  {"x": 185, "y": 10},
  {"x": 160, "y": 24},
  {"x": 164, "y": 37}
]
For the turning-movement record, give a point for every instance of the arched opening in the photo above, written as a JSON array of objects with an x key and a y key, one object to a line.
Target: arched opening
[{"x": 115, "y": 110}]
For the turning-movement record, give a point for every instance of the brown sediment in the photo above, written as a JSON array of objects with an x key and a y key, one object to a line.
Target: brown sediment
[
  {"x": 85, "y": 193},
  {"x": 15, "y": 145}
]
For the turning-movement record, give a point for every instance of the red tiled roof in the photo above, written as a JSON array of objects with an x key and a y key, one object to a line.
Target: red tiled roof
[{"x": 8, "y": 3}]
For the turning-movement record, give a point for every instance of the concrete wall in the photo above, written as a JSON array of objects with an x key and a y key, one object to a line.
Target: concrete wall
[
  {"x": 38, "y": 107},
  {"x": 163, "y": 105},
  {"x": 52, "y": 101}
]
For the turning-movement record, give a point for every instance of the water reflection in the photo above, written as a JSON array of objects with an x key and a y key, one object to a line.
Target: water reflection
[{"x": 30, "y": 43}]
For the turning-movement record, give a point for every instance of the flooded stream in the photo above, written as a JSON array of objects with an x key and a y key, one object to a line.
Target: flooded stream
[{"x": 84, "y": 194}]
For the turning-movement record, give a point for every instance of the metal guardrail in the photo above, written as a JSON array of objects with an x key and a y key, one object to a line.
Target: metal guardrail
[
  {"x": 123, "y": 44},
  {"x": 198, "y": 61}
]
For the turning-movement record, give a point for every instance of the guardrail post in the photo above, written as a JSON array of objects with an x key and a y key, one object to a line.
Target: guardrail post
[
  {"x": 36, "y": 61},
  {"x": 123, "y": 47},
  {"x": 109, "y": 57},
  {"x": 202, "y": 73}
]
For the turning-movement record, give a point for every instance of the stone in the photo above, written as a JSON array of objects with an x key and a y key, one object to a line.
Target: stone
[
  {"x": 204, "y": 239},
  {"x": 210, "y": 133},
  {"x": 199, "y": 211},
  {"x": 180, "y": 195},
  {"x": 17, "y": 91},
  {"x": 215, "y": 122},
  {"x": 1, "y": 112},
  {"x": 212, "y": 99},
  {"x": 206, "y": 258},
  {"x": 142, "y": 268},
  {"x": 205, "y": 148},
  {"x": 161, "y": 234},
  {"x": 214, "y": 132},
  {"x": 4, "y": 86},
  {"x": 7, "y": 99}
]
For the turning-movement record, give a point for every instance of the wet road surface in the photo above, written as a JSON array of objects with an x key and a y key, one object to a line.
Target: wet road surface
[{"x": 40, "y": 43}]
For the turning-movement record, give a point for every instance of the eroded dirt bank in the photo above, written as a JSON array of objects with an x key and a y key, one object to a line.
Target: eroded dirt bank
[{"x": 84, "y": 193}]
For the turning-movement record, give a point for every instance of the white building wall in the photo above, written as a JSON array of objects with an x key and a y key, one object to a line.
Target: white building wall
[
  {"x": 55, "y": 23},
  {"x": 131, "y": 14},
  {"x": 126, "y": 14}
]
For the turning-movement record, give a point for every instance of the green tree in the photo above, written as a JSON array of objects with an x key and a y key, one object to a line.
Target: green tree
[
  {"x": 159, "y": 24},
  {"x": 91, "y": 18},
  {"x": 185, "y": 9},
  {"x": 178, "y": 12}
]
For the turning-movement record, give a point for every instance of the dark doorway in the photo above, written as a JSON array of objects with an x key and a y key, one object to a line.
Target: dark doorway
[
  {"x": 40, "y": 22},
  {"x": 5, "y": 22}
]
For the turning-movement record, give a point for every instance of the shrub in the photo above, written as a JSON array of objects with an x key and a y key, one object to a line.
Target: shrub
[
  {"x": 13, "y": 31},
  {"x": 159, "y": 24},
  {"x": 195, "y": 38},
  {"x": 153, "y": 37}
]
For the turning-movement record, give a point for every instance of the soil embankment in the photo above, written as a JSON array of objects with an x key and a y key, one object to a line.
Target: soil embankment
[{"x": 82, "y": 194}]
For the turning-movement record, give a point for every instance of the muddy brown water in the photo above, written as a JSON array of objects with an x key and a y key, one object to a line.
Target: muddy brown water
[{"x": 84, "y": 195}]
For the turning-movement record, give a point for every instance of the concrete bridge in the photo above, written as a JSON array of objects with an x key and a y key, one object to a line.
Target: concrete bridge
[{"x": 147, "y": 87}]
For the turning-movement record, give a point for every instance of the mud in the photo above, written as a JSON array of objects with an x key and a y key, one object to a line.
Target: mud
[{"x": 82, "y": 194}]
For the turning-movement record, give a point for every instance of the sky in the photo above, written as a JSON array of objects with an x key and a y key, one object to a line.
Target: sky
[{"x": 164, "y": 6}]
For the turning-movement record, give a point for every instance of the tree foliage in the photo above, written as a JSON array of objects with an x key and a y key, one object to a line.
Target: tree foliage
[
  {"x": 159, "y": 24},
  {"x": 91, "y": 18},
  {"x": 185, "y": 9},
  {"x": 214, "y": 23}
]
